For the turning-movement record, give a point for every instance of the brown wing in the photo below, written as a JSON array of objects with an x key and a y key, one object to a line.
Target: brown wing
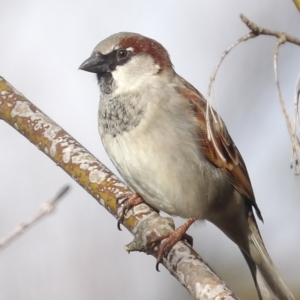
[{"x": 217, "y": 145}]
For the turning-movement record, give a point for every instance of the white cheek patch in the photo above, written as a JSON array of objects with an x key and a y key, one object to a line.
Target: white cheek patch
[{"x": 135, "y": 73}]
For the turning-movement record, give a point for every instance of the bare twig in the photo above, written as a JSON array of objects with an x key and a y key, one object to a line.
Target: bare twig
[
  {"x": 46, "y": 208},
  {"x": 225, "y": 53},
  {"x": 293, "y": 130},
  {"x": 145, "y": 224},
  {"x": 257, "y": 30},
  {"x": 296, "y": 129},
  {"x": 213, "y": 119}
]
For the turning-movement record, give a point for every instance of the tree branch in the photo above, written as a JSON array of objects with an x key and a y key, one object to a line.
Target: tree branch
[
  {"x": 293, "y": 129},
  {"x": 257, "y": 30},
  {"x": 145, "y": 224},
  {"x": 297, "y": 3},
  {"x": 45, "y": 208}
]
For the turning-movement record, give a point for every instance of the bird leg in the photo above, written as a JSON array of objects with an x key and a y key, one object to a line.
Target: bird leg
[
  {"x": 171, "y": 238},
  {"x": 128, "y": 203}
]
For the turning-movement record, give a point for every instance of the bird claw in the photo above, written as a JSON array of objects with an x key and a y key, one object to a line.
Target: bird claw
[
  {"x": 171, "y": 238},
  {"x": 167, "y": 240},
  {"x": 128, "y": 203}
]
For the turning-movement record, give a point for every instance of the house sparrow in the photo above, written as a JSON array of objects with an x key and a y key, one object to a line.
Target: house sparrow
[{"x": 174, "y": 151}]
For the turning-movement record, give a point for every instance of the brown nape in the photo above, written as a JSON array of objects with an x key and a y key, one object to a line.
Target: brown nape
[{"x": 150, "y": 47}]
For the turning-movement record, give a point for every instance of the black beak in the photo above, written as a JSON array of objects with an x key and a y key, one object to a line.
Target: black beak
[{"x": 95, "y": 64}]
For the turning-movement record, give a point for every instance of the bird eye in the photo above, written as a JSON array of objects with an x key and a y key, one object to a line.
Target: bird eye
[{"x": 121, "y": 54}]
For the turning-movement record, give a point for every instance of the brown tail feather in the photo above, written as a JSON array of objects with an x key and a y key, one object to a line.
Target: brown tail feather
[{"x": 269, "y": 283}]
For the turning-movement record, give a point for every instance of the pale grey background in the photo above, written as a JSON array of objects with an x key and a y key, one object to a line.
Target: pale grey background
[{"x": 78, "y": 252}]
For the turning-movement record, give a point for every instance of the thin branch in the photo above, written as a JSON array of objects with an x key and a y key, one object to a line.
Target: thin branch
[
  {"x": 257, "y": 30},
  {"x": 144, "y": 223},
  {"x": 225, "y": 53},
  {"x": 45, "y": 208},
  {"x": 293, "y": 130},
  {"x": 212, "y": 119},
  {"x": 296, "y": 129}
]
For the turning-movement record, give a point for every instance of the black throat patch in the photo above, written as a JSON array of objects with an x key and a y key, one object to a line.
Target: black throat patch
[{"x": 106, "y": 82}]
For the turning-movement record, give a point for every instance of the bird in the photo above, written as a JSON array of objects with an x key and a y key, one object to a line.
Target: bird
[{"x": 174, "y": 151}]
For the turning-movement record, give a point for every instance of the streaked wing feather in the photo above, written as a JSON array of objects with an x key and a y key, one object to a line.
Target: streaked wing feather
[{"x": 221, "y": 150}]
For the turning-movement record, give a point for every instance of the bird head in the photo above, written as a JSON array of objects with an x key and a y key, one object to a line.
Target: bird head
[{"x": 127, "y": 61}]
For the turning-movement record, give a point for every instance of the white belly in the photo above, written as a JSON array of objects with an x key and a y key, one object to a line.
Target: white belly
[{"x": 160, "y": 160}]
